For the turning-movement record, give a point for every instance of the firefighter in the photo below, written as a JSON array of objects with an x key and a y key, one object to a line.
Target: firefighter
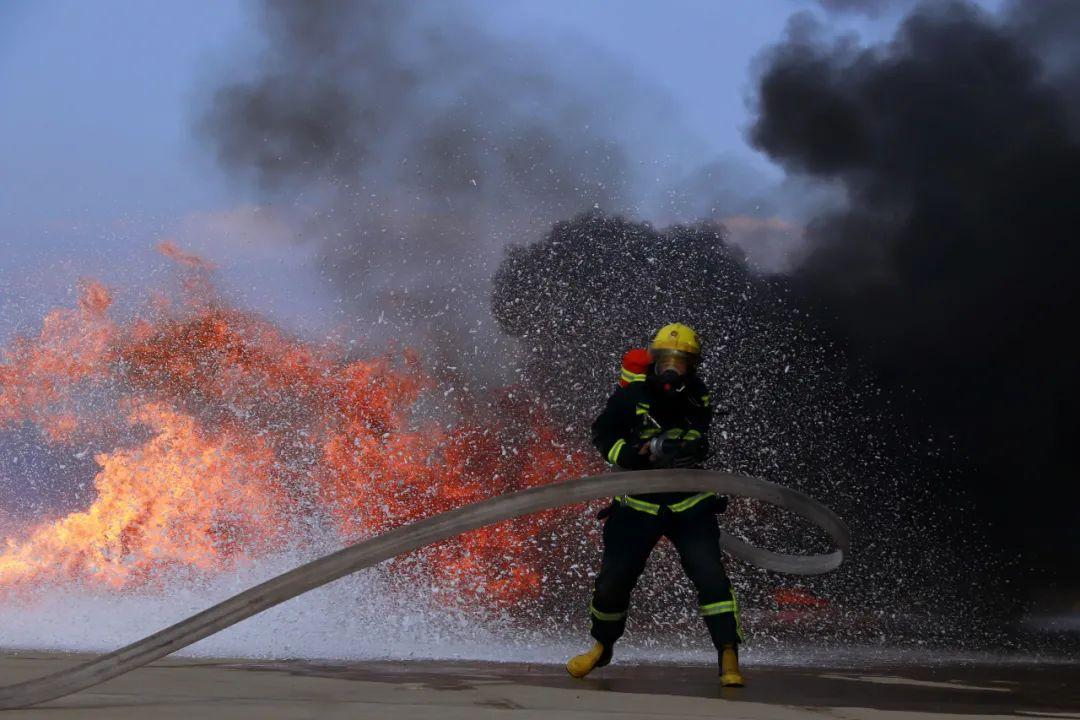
[{"x": 660, "y": 418}]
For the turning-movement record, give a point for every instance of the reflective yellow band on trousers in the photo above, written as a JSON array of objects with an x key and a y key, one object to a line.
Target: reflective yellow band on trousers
[
  {"x": 716, "y": 608},
  {"x": 605, "y": 616},
  {"x": 654, "y": 509},
  {"x": 725, "y": 606},
  {"x": 613, "y": 453}
]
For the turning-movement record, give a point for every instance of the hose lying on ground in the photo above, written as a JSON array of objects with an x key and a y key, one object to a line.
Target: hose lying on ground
[{"x": 433, "y": 529}]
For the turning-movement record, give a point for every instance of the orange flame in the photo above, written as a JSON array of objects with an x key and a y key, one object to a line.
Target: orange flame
[
  {"x": 181, "y": 499},
  {"x": 37, "y": 376},
  {"x": 226, "y": 434},
  {"x": 170, "y": 249}
]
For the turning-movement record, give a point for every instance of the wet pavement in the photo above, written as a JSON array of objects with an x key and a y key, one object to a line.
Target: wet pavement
[
  {"x": 960, "y": 689},
  {"x": 188, "y": 688}
]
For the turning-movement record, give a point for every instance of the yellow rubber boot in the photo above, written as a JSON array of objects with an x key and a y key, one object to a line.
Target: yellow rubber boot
[
  {"x": 729, "y": 667},
  {"x": 581, "y": 665}
]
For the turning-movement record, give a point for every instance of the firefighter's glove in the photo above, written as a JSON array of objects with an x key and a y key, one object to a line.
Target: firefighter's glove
[{"x": 631, "y": 457}]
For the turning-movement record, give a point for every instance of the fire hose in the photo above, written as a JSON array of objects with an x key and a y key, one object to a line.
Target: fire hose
[{"x": 433, "y": 529}]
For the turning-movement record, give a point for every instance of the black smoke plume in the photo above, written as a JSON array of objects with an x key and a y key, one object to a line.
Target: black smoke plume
[{"x": 952, "y": 273}]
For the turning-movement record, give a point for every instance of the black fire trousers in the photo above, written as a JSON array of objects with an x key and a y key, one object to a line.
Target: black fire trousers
[{"x": 629, "y": 537}]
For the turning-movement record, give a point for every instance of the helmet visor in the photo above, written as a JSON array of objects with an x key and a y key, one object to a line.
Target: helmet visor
[{"x": 677, "y": 360}]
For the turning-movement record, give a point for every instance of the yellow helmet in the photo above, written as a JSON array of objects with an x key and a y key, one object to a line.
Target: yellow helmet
[{"x": 677, "y": 337}]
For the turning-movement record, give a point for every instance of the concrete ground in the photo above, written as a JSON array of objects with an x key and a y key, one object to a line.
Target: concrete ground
[{"x": 447, "y": 690}]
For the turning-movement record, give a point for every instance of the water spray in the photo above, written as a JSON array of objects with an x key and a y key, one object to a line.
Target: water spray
[{"x": 440, "y": 527}]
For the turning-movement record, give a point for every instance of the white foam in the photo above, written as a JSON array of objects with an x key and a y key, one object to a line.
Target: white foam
[{"x": 373, "y": 615}]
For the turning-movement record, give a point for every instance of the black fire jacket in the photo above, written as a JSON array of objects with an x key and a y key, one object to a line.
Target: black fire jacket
[{"x": 641, "y": 411}]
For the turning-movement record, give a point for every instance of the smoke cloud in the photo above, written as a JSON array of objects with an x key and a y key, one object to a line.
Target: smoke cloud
[
  {"x": 952, "y": 271},
  {"x": 415, "y": 147},
  {"x": 871, "y": 8},
  {"x": 412, "y": 147}
]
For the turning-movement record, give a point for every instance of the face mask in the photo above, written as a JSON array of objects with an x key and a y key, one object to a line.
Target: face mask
[{"x": 668, "y": 381}]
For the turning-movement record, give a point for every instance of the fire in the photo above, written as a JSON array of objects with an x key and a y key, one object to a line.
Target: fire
[
  {"x": 181, "y": 500},
  {"x": 36, "y": 376},
  {"x": 222, "y": 439},
  {"x": 170, "y": 249}
]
